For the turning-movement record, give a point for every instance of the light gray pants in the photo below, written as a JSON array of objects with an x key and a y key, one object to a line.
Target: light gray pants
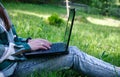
[{"x": 76, "y": 59}]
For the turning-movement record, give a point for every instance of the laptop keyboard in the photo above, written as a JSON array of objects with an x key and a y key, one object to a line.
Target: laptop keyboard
[
  {"x": 58, "y": 47},
  {"x": 55, "y": 47}
]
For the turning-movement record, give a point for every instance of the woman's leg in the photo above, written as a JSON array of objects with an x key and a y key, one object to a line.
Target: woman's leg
[
  {"x": 76, "y": 59},
  {"x": 92, "y": 66}
]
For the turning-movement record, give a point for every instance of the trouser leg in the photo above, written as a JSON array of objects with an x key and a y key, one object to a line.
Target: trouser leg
[
  {"x": 76, "y": 59},
  {"x": 92, "y": 66},
  {"x": 47, "y": 63}
]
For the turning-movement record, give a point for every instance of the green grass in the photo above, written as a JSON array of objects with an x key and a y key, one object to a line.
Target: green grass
[{"x": 90, "y": 38}]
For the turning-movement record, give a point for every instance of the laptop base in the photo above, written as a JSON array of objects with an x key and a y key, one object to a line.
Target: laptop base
[{"x": 56, "y": 48}]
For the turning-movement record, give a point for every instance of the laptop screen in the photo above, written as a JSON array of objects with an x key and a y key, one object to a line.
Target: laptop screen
[{"x": 69, "y": 26}]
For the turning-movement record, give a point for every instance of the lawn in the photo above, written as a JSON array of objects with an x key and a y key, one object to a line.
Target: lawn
[{"x": 101, "y": 41}]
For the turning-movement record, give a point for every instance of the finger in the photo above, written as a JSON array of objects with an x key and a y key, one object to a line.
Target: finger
[
  {"x": 40, "y": 42},
  {"x": 46, "y": 45},
  {"x": 43, "y": 47},
  {"x": 45, "y": 41}
]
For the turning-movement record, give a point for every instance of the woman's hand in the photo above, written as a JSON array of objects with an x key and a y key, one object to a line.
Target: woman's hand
[{"x": 36, "y": 44}]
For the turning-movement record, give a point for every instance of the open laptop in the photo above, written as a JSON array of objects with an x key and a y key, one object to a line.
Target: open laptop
[{"x": 59, "y": 47}]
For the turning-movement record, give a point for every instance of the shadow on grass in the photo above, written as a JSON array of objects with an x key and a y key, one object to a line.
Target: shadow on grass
[{"x": 63, "y": 73}]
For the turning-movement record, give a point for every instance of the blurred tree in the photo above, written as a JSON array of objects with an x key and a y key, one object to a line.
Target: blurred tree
[
  {"x": 67, "y": 7},
  {"x": 103, "y": 5}
]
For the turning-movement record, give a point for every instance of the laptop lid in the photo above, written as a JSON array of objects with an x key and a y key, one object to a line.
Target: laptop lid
[{"x": 69, "y": 27}]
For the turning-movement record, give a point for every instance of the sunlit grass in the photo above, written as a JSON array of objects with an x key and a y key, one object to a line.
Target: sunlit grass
[
  {"x": 91, "y": 38},
  {"x": 105, "y": 21},
  {"x": 31, "y": 13},
  {"x": 94, "y": 39}
]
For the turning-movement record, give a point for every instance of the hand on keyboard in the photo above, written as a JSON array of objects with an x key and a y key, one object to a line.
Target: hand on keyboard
[{"x": 36, "y": 44}]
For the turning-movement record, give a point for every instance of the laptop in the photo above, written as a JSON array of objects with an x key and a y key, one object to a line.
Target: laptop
[{"x": 59, "y": 47}]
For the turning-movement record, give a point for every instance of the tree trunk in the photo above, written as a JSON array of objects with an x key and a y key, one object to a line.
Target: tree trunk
[{"x": 67, "y": 8}]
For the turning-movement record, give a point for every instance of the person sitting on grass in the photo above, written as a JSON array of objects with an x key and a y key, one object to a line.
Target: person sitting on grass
[{"x": 76, "y": 59}]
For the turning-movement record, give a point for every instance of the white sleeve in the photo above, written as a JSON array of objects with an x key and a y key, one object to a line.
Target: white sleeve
[
  {"x": 1, "y": 74},
  {"x": 8, "y": 52}
]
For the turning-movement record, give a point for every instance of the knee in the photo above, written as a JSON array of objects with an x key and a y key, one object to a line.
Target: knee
[{"x": 74, "y": 50}]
